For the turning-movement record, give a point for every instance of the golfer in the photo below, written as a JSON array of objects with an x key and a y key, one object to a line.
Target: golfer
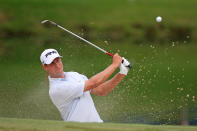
[{"x": 70, "y": 91}]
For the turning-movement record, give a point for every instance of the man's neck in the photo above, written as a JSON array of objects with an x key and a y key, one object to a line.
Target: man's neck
[{"x": 60, "y": 75}]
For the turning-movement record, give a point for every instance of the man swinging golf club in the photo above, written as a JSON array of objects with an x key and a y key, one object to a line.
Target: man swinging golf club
[{"x": 70, "y": 91}]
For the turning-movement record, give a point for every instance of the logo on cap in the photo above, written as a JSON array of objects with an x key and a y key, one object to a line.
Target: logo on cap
[{"x": 49, "y": 53}]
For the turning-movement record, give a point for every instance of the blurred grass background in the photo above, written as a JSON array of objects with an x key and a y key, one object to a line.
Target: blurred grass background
[{"x": 159, "y": 89}]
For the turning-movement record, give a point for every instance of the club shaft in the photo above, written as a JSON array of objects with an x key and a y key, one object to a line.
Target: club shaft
[{"x": 82, "y": 39}]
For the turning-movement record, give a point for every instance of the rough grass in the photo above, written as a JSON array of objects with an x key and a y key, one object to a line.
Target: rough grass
[{"x": 12, "y": 124}]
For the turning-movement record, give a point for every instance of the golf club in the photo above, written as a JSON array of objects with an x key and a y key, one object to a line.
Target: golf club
[{"x": 90, "y": 43}]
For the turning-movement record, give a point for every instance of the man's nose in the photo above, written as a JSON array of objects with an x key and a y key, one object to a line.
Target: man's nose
[{"x": 57, "y": 64}]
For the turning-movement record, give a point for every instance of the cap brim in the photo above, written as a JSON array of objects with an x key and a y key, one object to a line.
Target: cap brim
[{"x": 50, "y": 60}]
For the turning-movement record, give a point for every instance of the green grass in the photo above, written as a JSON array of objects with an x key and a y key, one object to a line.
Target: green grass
[
  {"x": 101, "y": 11},
  {"x": 13, "y": 124}
]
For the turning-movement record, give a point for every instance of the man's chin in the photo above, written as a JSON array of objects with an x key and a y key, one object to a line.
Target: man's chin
[{"x": 58, "y": 73}]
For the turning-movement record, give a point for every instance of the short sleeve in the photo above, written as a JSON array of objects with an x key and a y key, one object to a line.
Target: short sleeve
[{"x": 84, "y": 77}]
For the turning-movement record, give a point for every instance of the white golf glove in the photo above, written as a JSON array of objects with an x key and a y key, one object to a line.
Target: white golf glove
[
  {"x": 124, "y": 67},
  {"x": 125, "y": 62}
]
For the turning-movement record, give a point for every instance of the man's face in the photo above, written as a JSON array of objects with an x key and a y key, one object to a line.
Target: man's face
[{"x": 55, "y": 68}]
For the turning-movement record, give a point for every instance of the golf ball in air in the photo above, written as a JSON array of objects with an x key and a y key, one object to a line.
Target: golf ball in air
[{"x": 158, "y": 19}]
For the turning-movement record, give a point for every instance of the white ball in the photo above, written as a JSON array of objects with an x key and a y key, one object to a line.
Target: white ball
[{"x": 158, "y": 19}]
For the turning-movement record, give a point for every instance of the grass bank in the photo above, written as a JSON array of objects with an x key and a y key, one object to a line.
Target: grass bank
[{"x": 7, "y": 124}]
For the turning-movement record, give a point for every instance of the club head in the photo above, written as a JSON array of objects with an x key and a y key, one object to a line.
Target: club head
[
  {"x": 44, "y": 21},
  {"x": 48, "y": 23}
]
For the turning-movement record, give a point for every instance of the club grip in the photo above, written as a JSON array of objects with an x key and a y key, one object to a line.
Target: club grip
[
  {"x": 109, "y": 54},
  {"x": 129, "y": 66}
]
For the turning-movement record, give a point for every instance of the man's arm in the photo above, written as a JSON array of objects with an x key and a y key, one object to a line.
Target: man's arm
[
  {"x": 101, "y": 77},
  {"x": 108, "y": 86}
]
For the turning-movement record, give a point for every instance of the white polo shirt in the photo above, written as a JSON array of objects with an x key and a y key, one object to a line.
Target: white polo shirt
[{"x": 68, "y": 95}]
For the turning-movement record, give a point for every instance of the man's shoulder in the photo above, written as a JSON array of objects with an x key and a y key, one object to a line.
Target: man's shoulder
[
  {"x": 76, "y": 75},
  {"x": 73, "y": 73}
]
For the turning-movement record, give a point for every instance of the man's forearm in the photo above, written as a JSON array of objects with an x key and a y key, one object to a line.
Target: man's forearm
[
  {"x": 108, "y": 86},
  {"x": 101, "y": 77},
  {"x": 104, "y": 75}
]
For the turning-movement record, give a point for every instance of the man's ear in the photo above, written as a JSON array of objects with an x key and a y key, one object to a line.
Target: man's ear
[{"x": 44, "y": 66}]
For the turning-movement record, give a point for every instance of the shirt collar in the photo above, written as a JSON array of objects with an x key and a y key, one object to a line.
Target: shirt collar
[{"x": 58, "y": 79}]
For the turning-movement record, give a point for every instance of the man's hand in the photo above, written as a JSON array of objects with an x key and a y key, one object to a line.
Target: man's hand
[
  {"x": 124, "y": 67},
  {"x": 116, "y": 60}
]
